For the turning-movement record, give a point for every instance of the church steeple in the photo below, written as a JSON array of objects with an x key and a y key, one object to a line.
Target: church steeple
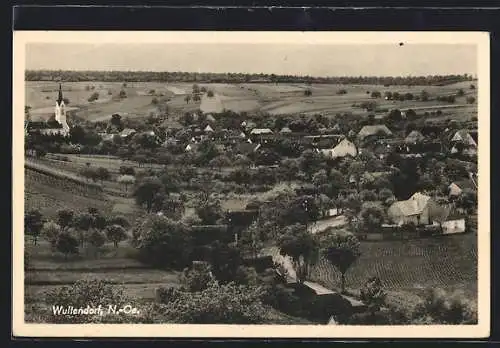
[{"x": 60, "y": 97}]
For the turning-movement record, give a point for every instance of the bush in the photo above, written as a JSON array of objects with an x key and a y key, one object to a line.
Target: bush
[
  {"x": 197, "y": 277},
  {"x": 83, "y": 293},
  {"x": 440, "y": 307},
  {"x": 93, "y": 97}
]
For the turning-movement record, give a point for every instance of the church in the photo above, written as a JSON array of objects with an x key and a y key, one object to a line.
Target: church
[{"x": 51, "y": 128}]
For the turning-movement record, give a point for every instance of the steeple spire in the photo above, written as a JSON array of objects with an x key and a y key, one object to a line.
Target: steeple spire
[{"x": 60, "y": 97}]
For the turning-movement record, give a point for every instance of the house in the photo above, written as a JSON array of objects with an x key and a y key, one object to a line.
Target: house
[
  {"x": 463, "y": 136},
  {"x": 414, "y": 137},
  {"x": 210, "y": 118},
  {"x": 285, "y": 130},
  {"x": 343, "y": 149},
  {"x": 208, "y": 129},
  {"x": 127, "y": 132},
  {"x": 419, "y": 209},
  {"x": 374, "y": 131},
  {"x": 261, "y": 131},
  {"x": 456, "y": 188}
]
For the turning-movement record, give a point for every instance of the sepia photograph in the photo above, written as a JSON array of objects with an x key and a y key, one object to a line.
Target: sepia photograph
[{"x": 239, "y": 184}]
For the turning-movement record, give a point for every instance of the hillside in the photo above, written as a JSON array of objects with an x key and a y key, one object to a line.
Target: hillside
[{"x": 407, "y": 267}]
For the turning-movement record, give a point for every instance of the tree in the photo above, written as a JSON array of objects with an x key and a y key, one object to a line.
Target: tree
[
  {"x": 373, "y": 295},
  {"x": 83, "y": 293},
  {"x": 123, "y": 94},
  {"x": 341, "y": 249},
  {"x": 118, "y": 220},
  {"x": 307, "y": 92},
  {"x": 187, "y": 98},
  {"x": 218, "y": 304},
  {"x": 302, "y": 247},
  {"x": 372, "y": 216},
  {"x": 220, "y": 162},
  {"x": 472, "y": 87},
  {"x": 66, "y": 244},
  {"x": 424, "y": 96},
  {"x": 209, "y": 211},
  {"x": 77, "y": 134},
  {"x": 146, "y": 192},
  {"x": 162, "y": 242},
  {"x": 470, "y": 100},
  {"x": 65, "y": 217},
  {"x": 126, "y": 170},
  {"x": 460, "y": 92},
  {"x": 441, "y": 307},
  {"x": 116, "y": 120},
  {"x": 93, "y": 97},
  {"x": 33, "y": 224},
  {"x": 51, "y": 231},
  {"x": 103, "y": 174},
  {"x": 198, "y": 277},
  {"x": 83, "y": 222},
  {"x": 96, "y": 239},
  {"x": 250, "y": 240},
  {"x": 376, "y": 94},
  {"x": 210, "y": 94},
  {"x": 385, "y": 194},
  {"x": 116, "y": 233}
]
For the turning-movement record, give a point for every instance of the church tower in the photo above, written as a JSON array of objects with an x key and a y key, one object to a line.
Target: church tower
[{"x": 60, "y": 111}]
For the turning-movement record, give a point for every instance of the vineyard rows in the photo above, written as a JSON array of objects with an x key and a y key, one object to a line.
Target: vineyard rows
[{"x": 449, "y": 262}]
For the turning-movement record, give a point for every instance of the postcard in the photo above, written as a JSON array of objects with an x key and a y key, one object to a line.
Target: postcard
[{"x": 251, "y": 184}]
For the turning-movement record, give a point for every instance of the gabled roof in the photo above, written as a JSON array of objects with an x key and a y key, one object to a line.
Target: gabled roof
[
  {"x": 412, "y": 206},
  {"x": 258, "y": 131},
  {"x": 208, "y": 129},
  {"x": 373, "y": 130},
  {"x": 464, "y": 184},
  {"x": 414, "y": 136},
  {"x": 464, "y": 137},
  {"x": 127, "y": 131},
  {"x": 285, "y": 130}
]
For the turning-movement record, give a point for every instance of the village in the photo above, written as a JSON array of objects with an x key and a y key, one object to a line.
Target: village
[{"x": 266, "y": 185}]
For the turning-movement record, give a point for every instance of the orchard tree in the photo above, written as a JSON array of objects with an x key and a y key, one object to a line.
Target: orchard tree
[
  {"x": 65, "y": 217},
  {"x": 162, "y": 242},
  {"x": 147, "y": 191},
  {"x": 82, "y": 223},
  {"x": 97, "y": 240},
  {"x": 51, "y": 231},
  {"x": 33, "y": 224},
  {"x": 341, "y": 249},
  {"x": 103, "y": 174},
  {"x": 116, "y": 234},
  {"x": 66, "y": 244},
  {"x": 126, "y": 180},
  {"x": 302, "y": 247}
]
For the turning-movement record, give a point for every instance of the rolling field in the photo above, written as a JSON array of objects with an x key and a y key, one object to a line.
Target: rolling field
[
  {"x": 407, "y": 267},
  {"x": 271, "y": 98}
]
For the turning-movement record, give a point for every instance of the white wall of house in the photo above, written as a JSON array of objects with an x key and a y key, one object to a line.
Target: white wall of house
[{"x": 453, "y": 226}]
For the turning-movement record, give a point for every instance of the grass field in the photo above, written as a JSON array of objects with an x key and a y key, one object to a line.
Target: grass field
[
  {"x": 49, "y": 270},
  {"x": 265, "y": 97}
]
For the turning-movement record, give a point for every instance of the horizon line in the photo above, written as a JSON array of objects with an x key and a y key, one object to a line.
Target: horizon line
[{"x": 474, "y": 76}]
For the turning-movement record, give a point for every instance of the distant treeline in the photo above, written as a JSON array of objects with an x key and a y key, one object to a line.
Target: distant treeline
[{"x": 149, "y": 76}]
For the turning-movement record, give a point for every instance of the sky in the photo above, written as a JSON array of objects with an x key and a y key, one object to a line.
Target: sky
[{"x": 288, "y": 59}]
